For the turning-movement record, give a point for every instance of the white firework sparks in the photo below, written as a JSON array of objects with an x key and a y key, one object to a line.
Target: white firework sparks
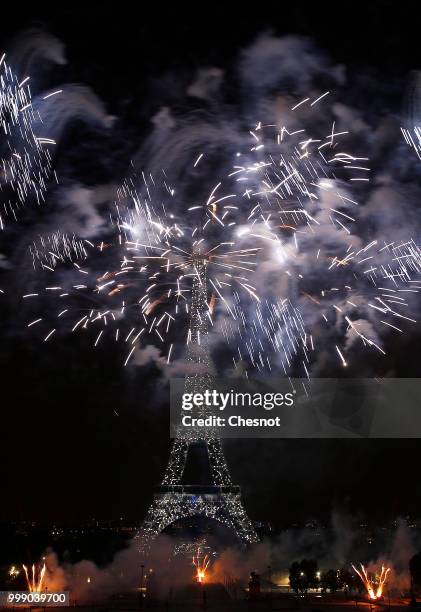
[
  {"x": 298, "y": 186},
  {"x": 286, "y": 267},
  {"x": 25, "y": 158},
  {"x": 152, "y": 259}
]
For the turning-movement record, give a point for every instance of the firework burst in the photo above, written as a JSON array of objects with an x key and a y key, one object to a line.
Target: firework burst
[
  {"x": 144, "y": 272},
  {"x": 341, "y": 283},
  {"x": 287, "y": 263}
]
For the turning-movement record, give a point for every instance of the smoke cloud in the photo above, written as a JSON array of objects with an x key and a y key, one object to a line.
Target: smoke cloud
[{"x": 166, "y": 575}]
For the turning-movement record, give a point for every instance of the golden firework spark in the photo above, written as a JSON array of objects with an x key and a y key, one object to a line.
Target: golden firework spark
[
  {"x": 201, "y": 565},
  {"x": 35, "y": 581},
  {"x": 374, "y": 587}
]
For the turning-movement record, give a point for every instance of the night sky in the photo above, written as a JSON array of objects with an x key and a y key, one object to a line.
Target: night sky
[{"x": 83, "y": 437}]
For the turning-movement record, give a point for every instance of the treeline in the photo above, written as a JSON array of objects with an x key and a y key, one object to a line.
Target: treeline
[{"x": 305, "y": 575}]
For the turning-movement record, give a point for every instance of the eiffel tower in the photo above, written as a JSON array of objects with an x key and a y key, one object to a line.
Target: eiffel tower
[{"x": 221, "y": 499}]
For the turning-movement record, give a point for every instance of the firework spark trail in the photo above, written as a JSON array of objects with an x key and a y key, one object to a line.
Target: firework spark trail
[
  {"x": 412, "y": 115},
  {"x": 375, "y": 587},
  {"x": 274, "y": 327},
  {"x": 413, "y": 139},
  {"x": 201, "y": 565},
  {"x": 35, "y": 582},
  {"x": 25, "y": 158},
  {"x": 48, "y": 251},
  {"x": 282, "y": 212}
]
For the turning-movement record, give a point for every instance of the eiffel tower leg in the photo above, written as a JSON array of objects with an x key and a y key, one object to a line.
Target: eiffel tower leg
[
  {"x": 175, "y": 468},
  {"x": 177, "y": 461},
  {"x": 232, "y": 513},
  {"x": 162, "y": 512},
  {"x": 217, "y": 461}
]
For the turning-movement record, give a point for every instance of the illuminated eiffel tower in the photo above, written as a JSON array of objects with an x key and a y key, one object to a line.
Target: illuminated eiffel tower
[{"x": 220, "y": 500}]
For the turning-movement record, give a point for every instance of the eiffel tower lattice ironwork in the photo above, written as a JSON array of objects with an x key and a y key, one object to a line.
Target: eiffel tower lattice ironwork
[{"x": 221, "y": 499}]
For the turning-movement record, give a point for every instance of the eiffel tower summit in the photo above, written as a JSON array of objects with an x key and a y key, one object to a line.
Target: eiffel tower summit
[{"x": 220, "y": 499}]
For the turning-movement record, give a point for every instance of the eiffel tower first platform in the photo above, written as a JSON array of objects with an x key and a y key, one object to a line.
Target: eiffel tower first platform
[{"x": 216, "y": 497}]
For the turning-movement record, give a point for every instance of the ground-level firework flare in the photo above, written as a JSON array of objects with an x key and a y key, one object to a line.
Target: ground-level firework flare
[
  {"x": 201, "y": 564},
  {"x": 35, "y": 578},
  {"x": 374, "y": 587}
]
